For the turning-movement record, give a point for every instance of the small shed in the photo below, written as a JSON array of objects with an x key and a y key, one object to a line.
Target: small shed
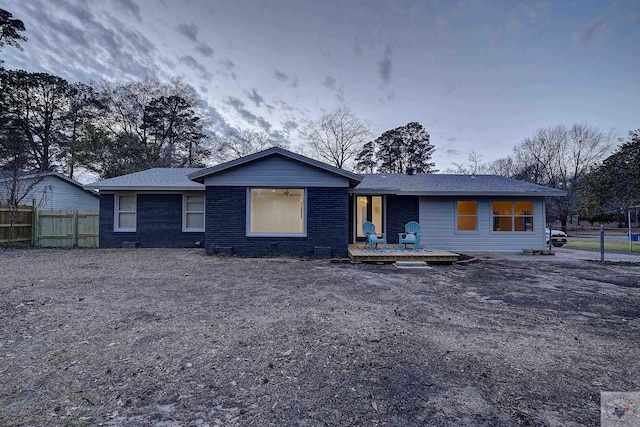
[{"x": 51, "y": 191}]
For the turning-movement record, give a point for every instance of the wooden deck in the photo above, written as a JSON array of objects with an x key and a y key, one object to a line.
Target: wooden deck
[{"x": 357, "y": 252}]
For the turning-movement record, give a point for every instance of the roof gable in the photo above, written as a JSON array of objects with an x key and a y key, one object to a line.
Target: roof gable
[
  {"x": 201, "y": 175},
  {"x": 276, "y": 171}
]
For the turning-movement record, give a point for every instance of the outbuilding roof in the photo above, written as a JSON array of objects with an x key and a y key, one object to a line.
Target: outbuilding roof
[
  {"x": 36, "y": 175},
  {"x": 156, "y": 179},
  {"x": 450, "y": 185}
]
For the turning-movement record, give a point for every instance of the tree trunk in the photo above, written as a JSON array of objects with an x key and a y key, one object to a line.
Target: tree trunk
[{"x": 44, "y": 162}]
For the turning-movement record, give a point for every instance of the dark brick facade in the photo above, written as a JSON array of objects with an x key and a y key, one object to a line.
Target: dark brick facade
[
  {"x": 352, "y": 219},
  {"x": 400, "y": 210},
  {"x": 158, "y": 223},
  {"x": 327, "y": 224}
]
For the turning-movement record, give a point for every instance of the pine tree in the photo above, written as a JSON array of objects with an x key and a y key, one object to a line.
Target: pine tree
[
  {"x": 398, "y": 150},
  {"x": 365, "y": 160}
]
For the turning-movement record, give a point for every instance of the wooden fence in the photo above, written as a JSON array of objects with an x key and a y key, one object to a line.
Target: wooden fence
[
  {"x": 16, "y": 224},
  {"x": 66, "y": 229},
  {"x": 51, "y": 229}
]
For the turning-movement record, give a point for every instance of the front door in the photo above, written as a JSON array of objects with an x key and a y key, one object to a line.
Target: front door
[{"x": 368, "y": 208}]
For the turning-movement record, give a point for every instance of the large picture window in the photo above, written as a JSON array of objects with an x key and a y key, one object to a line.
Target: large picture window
[
  {"x": 192, "y": 213},
  {"x": 276, "y": 212},
  {"x": 512, "y": 216},
  {"x": 467, "y": 215},
  {"x": 125, "y": 212}
]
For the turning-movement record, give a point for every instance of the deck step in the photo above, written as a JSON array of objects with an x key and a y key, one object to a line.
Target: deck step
[
  {"x": 411, "y": 264},
  {"x": 537, "y": 252},
  {"x": 431, "y": 255}
]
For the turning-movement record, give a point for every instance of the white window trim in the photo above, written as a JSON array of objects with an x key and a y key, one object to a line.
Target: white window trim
[
  {"x": 477, "y": 216},
  {"x": 184, "y": 214},
  {"x": 248, "y": 216},
  {"x": 116, "y": 212},
  {"x": 513, "y": 216}
]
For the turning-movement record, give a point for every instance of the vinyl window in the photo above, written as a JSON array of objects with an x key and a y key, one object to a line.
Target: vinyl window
[
  {"x": 512, "y": 215},
  {"x": 467, "y": 215},
  {"x": 125, "y": 212},
  {"x": 276, "y": 212},
  {"x": 192, "y": 213}
]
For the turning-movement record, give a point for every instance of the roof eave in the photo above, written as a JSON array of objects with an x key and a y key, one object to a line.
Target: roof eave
[
  {"x": 145, "y": 188},
  {"x": 398, "y": 192},
  {"x": 374, "y": 191}
]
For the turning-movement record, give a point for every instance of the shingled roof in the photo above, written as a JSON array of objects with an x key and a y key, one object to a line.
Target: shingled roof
[
  {"x": 185, "y": 179},
  {"x": 156, "y": 179},
  {"x": 450, "y": 185}
]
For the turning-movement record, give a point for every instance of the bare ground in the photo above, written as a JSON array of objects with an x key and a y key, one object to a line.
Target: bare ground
[{"x": 177, "y": 338}]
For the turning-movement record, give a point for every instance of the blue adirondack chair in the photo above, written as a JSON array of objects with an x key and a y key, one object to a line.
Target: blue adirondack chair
[
  {"x": 369, "y": 230},
  {"x": 411, "y": 235}
]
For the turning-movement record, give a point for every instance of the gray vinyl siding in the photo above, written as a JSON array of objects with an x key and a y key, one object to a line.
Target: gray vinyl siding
[
  {"x": 438, "y": 220},
  {"x": 53, "y": 193},
  {"x": 276, "y": 171}
]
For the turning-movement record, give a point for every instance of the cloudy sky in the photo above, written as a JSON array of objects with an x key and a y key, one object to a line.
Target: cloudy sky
[{"x": 479, "y": 75}]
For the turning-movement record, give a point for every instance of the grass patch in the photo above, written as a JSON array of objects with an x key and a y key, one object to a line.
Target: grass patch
[{"x": 609, "y": 245}]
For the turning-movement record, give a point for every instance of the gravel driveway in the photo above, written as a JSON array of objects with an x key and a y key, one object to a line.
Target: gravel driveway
[{"x": 166, "y": 337}]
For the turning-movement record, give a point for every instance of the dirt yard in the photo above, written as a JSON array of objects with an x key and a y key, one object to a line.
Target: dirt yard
[{"x": 158, "y": 337}]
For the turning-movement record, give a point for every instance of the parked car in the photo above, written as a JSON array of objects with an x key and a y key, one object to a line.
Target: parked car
[{"x": 558, "y": 237}]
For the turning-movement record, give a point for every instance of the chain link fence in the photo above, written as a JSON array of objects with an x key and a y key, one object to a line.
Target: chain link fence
[{"x": 604, "y": 239}]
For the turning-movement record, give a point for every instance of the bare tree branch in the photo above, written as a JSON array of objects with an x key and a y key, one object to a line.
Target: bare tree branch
[
  {"x": 337, "y": 137},
  {"x": 242, "y": 143}
]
